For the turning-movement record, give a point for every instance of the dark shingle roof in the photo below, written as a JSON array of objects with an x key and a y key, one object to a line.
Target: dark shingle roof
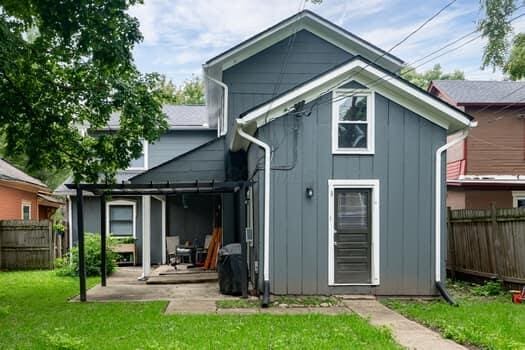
[
  {"x": 179, "y": 116},
  {"x": 472, "y": 91},
  {"x": 11, "y": 173}
]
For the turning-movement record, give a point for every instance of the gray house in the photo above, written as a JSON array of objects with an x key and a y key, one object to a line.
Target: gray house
[{"x": 340, "y": 157}]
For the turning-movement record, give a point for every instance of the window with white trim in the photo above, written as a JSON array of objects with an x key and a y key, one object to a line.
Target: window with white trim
[
  {"x": 353, "y": 122},
  {"x": 26, "y": 210},
  {"x": 121, "y": 218},
  {"x": 518, "y": 199},
  {"x": 141, "y": 162}
]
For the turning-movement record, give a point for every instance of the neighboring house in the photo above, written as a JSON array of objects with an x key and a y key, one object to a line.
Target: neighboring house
[
  {"x": 23, "y": 197},
  {"x": 489, "y": 165},
  {"x": 350, "y": 162}
]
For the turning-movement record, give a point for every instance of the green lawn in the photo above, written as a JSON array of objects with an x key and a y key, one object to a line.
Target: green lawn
[
  {"x": 35, "y": 314},
  {"x": 487, "y": 322}
]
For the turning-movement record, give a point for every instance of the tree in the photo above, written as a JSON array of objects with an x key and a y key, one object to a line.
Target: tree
[
  {"x": 423, "y": 79},
  {"x": 66, "y": 65},
  {"x": 190, "y": 93},
  {"x": 502, "y": 49}
]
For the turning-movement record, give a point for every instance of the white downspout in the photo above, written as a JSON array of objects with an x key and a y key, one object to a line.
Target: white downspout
[
  {"x": 223, "y": 129},
  {"x": 437, "y": 232},
  {"x": 267, "y": 169}
]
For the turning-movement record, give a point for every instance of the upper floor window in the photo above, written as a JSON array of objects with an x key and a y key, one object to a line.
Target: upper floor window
[
  {"x": 140, "y": 163},
  {"x": 353, "y": 122}
]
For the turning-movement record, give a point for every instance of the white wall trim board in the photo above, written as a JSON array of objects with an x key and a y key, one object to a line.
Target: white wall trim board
[{"x": 373, "y": 185}]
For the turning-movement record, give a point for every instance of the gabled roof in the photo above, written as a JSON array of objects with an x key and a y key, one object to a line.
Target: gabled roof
[
  {"x": 317, "y": 25},
  {"x": 9, "y": 172},
  {"x": 180, "y": 117},
  {"x": 463, "y": 92},
  {"x": 366, "y": 73}
]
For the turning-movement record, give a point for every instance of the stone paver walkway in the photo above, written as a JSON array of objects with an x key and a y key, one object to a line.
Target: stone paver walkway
[{"x": 408, "y": 333}]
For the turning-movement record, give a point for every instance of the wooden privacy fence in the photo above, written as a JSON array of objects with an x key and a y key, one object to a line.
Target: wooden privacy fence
[
  {"x": 26, "y": 245},
  {"x": 487, "y": 243}
]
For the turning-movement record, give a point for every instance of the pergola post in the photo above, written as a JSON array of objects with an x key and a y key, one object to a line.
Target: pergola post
[
  {"x": 146, "y": 236},
  {"x": 103, "y": 257},
  {"x": 81, "y": 252}
]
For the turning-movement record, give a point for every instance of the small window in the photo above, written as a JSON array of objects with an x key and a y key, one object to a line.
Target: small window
[
  {"x": 140, "y": 163},
  {"x": 352, "y": 122},
  {"x": 26, "y": 211},
  {"x": 121, "y": 218},
  {"x": 518, "y": 199}
]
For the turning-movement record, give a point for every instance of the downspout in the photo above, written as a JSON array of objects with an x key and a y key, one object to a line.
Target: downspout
[
  {"x": 222, "y": 129},
  {"x": 439, "y": 153},
  {"x": 267, "y": 170}
]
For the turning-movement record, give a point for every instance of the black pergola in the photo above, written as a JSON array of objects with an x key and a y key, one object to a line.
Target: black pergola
[{"x": 167, "y": 188}]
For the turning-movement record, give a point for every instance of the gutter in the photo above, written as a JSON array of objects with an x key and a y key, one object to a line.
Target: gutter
[
  {"x": 267, "y": 170},
  {"x": 222, "y": 129},
  {"x": 438, "y": 214}
]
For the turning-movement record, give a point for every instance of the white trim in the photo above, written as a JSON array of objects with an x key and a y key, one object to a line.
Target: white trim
[
  {"x": 162, "y": 199},
  {"x": 517, "y": 195},
  {"x": 314, "y": 24},
  {"x": 25, "y": 204},
  {"x": 391, "y": 87},
  {"x": 222, "y": 129},
  {"x": 370, "y": 118},
  {"x": 121, "y": 202},
  {"x": 373, "y": 185},
  {"x": 145, "y": 152}
]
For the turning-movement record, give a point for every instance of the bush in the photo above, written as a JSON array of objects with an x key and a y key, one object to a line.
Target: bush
[
  {"x": 68, "y": 266},
  {"x": 491, "y": 288}
]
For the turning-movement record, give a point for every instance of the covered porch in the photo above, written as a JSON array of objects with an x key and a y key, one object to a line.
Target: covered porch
[{"x": 187, "y": 210}]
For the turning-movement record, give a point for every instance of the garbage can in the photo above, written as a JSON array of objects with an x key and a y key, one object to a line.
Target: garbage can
[{"x": 230, "y": 267}]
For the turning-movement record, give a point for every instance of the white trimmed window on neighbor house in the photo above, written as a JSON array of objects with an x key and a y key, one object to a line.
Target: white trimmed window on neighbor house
[
  {"x": 140, "y": 163},
  {"x": 353, "y": 122},
  {"x": 121, "y": 218},
  {"x": 26, "y": 210}
]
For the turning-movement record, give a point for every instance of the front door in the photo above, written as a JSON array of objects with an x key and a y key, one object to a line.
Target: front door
[{"x": 352, "y": 235}]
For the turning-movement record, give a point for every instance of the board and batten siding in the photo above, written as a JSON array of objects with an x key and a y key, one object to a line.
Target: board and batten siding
[
  {"x": 278, "y": 68},
  {"x": 403, "y": 163}
]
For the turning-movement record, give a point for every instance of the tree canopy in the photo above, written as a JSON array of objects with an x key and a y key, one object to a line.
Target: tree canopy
[
  {"x": 66, "y": 65},
  {"x": 191, "y": 92},
  {"x": 436, "y": 73},
  {"x": 503, "y": 49}
]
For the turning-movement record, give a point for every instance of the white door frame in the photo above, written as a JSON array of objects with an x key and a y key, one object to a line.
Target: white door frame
[
  {"x": 373, "y": 185},
  {"x": 163, "y": 199}
]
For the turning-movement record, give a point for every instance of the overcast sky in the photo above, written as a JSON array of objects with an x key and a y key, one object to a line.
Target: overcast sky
[{"x": 180, "y": 35}]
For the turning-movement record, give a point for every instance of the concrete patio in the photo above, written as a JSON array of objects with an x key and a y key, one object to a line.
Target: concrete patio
[{"x": 123, "y": 285}]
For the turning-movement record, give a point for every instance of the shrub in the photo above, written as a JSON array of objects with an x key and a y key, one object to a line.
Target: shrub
[
  {"x": 68, "y": 266},
  {"x": 491, "y": 288}
]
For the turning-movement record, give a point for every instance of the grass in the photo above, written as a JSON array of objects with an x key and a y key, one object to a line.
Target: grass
[
  {"x": 486, "y": 317},
  {"x": 35, "y": 314}
]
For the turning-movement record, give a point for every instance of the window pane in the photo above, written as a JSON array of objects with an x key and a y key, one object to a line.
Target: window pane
[
  {"x": 121, "y": 228},
  {"x": 26, "y": 212},
  {"x": 521, "y": 203},
  {"x": 137, "y": 163},
  {"x": 353, "y": 109},
  {"x": 352, "y": 210},
  {"x": 121, "y": 212},
  {"x": 352, "y": 135}
]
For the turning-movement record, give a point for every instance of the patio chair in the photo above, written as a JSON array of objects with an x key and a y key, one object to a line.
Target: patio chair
[
  {"x": 176, "y": 252},
  {"x": 203, "y": 250}
]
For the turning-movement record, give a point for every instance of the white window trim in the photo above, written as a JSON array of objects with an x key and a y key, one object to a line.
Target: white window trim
[
  {"x": 370, "y": 118},
  {"x": 145, "y": 149},
  {"x": 117, "y": 203},
  {"x": 24, "y": 205},
  {"x": 517, "y": 195},
  {"x": 373, "y": 185}
]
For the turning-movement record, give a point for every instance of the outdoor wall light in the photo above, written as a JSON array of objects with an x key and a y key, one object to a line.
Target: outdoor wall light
[{"x": 309, "y": 192}]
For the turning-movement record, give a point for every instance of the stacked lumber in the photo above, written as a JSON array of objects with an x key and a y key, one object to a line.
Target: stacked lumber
[{"x": 213, "y": 249}]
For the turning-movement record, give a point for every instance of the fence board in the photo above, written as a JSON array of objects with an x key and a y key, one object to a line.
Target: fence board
[
  {"x": 26, "y": 245},
  {"x": 487, "y": 243}
]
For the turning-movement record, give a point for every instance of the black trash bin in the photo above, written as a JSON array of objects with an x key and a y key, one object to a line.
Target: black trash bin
[{"x": 230, "y": 267}]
